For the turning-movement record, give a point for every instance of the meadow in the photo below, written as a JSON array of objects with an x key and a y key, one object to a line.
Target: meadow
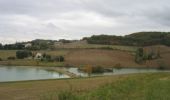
[{"x": 149, "y": 86}]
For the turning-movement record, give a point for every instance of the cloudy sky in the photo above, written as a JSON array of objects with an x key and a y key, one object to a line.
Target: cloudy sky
[{"x": 22, "y": 20}]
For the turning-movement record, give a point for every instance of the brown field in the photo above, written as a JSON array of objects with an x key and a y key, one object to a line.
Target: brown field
[
  {"x": 93, "y": 57},
  {"x": 109, "y": 58}
]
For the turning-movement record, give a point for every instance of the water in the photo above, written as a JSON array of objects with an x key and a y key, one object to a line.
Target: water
[
  {"x": 16, "y": 73},
  {"x": 27, "y": 73}
]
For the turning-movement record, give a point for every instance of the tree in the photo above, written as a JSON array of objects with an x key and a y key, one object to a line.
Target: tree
[
  {"x": 89, "y": 70},
  {"x": 139, "y": 55},
  {"x": 1, "y": 46},
  {"x": 21, "y": 54}
]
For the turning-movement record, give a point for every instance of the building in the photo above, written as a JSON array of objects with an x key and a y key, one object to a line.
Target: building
[
  {"x": 38, "y": 56},
  {"x": 27, "y": 45}
]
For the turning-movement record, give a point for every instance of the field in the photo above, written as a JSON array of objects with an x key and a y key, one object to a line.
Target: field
[
  {"x": 106, "y": 58},
  {"x": 85, "y": 45},
  {"x": 151, "y": 86},
  {"x": 92, "y": 57}
]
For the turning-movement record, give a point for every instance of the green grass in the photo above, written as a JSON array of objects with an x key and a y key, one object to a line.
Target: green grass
[
  {"x": 4, "y": 54},
  {"x": 98, "y": 46},
  {"x": 26, "y": 62},
  {"x": 139, "y": 87}
]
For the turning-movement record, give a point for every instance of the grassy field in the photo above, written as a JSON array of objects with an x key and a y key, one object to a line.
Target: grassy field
[
  {"x": 4, "y": 54},
  {"x": 85, "y": 45},
  {"x": 151, "y": 86}
]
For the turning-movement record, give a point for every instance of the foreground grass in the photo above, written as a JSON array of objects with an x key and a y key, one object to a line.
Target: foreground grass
[
  {"x": 152, "y": 86},
  {"x": 139, "y": 87}
]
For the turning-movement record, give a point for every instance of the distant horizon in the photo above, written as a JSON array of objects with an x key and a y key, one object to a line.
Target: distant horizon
[{"x": 78, "y": 38}]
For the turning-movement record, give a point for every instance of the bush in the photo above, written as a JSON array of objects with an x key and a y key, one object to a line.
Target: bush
[
  {"x": 97, "y": 69},
  {"x": 23, "y": 54},
  {"x": 11, "y": 58},
  {"x": 59, "y": 59},
  {"x": 161, "y": 66},
  {"x": 118, "y": 66},
  {"x": 47, "y": 57},
  {"x": 0, "y": 59}
]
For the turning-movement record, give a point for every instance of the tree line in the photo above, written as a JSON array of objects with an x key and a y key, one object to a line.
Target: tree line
[{"x": 135, "y": 39}]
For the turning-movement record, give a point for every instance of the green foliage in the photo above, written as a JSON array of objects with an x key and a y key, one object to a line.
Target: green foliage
[
  {"x": 118, "y": 66},
  {"x": 1, "y": 46},
  {"x": 59, "y": 58},
  {"x": 139, "y": 55},
  {"x": 66, "y": 95},
  {"x": 21, "y": 54},
  {"x": 49, "y": 58},
  {"x": 97, "y": 69},
  {"x": 135, "y": 39}
]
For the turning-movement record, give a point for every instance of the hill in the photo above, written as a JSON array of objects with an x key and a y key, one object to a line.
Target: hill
[{"x": 134, "y": 39}]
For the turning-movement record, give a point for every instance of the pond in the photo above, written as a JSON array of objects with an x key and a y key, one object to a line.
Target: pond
[
  {"x": 27, "y": 73},
  {"x": 23, "y": 73}
]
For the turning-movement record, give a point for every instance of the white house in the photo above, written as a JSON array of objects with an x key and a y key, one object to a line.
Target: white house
[
  {"x": 38, "y": 56},
  {"x": 28, "y": 45}
]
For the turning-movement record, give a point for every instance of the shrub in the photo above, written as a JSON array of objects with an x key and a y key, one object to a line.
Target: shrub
[
  {"x": 97, "y": 69},
  {"x": 11, "y": 58},
  {"x": 161, "y": 66},
  {"x": 0, "y": 59},
  {"x": 59, "y": 59},
  {"x": 23, "y": 54},
  {"x": 118, "y": 66},
  {"x": 47, "y": 57}
]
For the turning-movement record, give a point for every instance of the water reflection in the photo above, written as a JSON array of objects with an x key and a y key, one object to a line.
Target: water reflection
[{"x": 27, "y": 73}]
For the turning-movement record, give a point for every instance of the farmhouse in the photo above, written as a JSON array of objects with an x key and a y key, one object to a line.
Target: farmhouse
[
  {"x": 28, "y": 45},
  {"x": 38, "y": 56}
]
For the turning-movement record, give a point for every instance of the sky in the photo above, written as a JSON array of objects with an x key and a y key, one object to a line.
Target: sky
[{"x": 24, "y": 20}]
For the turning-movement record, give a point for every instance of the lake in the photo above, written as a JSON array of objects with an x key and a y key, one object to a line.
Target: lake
[
  {"x": 13, "y": 73},
  {"x": 23, "y": 73}
]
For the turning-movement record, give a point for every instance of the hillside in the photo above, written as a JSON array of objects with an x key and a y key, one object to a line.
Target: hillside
[{"x": 134, "y": 39}]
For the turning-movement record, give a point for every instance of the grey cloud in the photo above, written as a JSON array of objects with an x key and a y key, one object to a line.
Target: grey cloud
[{"x": 73, "y": 19}]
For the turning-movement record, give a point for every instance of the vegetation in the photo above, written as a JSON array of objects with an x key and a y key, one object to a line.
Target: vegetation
[
  {"x": 23, "y": 54},
  {"x": 140, "y": 87},
  {"x": 95, "y": 69},
  {"x": 135, "y": 39},
  {"x": 142, "y": 56},
  {"x": 151, "y": 86},
  {"x": 50, "y": 58}
]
